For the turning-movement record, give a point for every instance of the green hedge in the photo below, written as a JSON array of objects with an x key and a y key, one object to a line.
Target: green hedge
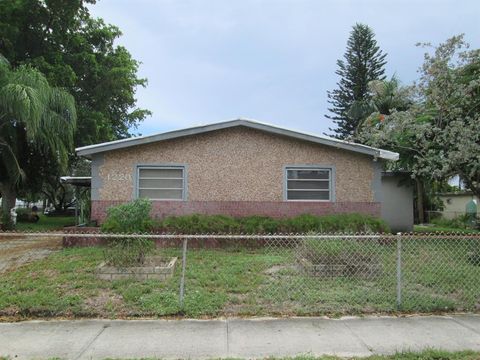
[
  {"x": 459, "y": 222},
  {"x": 130, "y": 218},
  {"x": 198, "y": 224}
]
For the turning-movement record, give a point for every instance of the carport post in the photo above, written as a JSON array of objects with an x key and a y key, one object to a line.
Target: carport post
[{"x": 399, "y": 271}]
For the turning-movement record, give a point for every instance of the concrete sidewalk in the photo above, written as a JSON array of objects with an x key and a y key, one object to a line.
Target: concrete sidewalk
[{"x": 240, "y": 338}]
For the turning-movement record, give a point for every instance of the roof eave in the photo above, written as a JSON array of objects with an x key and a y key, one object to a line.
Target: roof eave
[{"x": 339, "y": 144}]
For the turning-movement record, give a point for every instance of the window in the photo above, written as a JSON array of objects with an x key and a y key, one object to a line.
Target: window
[
  {"x": 161, "y": 182},
  {"x": 314, "y": 184}
]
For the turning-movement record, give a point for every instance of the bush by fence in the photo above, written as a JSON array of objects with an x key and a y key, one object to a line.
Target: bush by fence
[
  {"x": 128, "y": 218},
  {"x": 221, "y": 224}
]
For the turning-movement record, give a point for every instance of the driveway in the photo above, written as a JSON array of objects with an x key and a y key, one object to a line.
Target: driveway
[{"x": 16, "y": 251}]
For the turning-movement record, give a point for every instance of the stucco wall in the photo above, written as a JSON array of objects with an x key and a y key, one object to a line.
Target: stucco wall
[
  {"x": 455, "y": 204},
  {"x": 236, "y": 164}
]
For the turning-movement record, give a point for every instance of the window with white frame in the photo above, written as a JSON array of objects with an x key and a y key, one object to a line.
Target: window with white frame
[
  {"x": 308, "y": 183},
  {"x": 161, "y": 182}
]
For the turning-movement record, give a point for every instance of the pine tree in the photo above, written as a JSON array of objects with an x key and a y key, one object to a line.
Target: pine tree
[{"x": 363, "y": 62}]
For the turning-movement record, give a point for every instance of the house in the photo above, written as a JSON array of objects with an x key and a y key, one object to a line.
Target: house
[
  {"x": 454, "y": 203},
  {"x": 239, "y": 168}
]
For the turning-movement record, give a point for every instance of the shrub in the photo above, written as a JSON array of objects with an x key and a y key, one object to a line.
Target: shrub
[
  {"x": 131, "y": 218},
  {"x": 335, "y": 223},
  {"x": 26, "y": 215},
  {"x": 200, "y": 224},
  {"x": 196, "y": 224},
  {"x": 459, "y": 222},
  {"x": 259, "y": 225}
]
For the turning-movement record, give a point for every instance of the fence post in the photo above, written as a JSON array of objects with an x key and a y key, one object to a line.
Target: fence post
[
  {"x": 399, "y": 271},
  {"x": 182, "y": 279}
]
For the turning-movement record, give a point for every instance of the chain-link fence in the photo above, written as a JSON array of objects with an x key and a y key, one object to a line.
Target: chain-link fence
[{"x": 211, "y": 275}]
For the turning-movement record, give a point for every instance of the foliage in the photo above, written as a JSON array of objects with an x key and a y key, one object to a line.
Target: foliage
[
  {"x": 84, "y": 202},
  {"x": 78, "y": 53},
  {"x": 459, "y": 222},
  {"x": 437, "y": 229},
  {"x": 37, "y": 122},
  {"x": 424, "y": 355},
  {"x": 198, "y": 224},
  {"x": 385, "y": 96},
  {"x": 438, "y": 136},
  {"x": 26, "y": 215},
  {"x": 259, "y": 225},
  {"x": 363, "y": 62},
  {"x": 336, "y": 223},
  {"x": 131, "y": 218},
  {"x": 46, "y": 223}
]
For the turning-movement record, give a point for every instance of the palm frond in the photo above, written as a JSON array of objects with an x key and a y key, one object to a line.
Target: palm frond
[
  {"x": 45, "y": 116},
  {"x": 22, "y": 104}
]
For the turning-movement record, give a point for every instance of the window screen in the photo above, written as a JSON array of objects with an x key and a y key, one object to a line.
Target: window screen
[
  {"x": 308, "y": 184},
  {"x": 161, "y": 183}
]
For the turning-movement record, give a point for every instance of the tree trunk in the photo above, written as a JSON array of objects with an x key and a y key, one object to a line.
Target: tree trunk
[
  {"x": 420, "y": 193},
  {"x": 9, "y": 195},
  {"x": 473, "y": 186}
]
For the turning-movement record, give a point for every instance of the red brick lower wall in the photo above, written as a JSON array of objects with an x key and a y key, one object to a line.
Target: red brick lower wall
[{"x": 275, "y": 209}]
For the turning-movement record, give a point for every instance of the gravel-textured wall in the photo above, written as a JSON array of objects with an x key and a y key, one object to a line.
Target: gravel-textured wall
[{"x": 236, "y": 164}]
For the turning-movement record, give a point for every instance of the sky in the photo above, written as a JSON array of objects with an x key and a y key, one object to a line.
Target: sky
[{"x": 271, "y": 60}]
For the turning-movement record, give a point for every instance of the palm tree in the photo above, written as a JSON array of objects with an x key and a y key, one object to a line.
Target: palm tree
[
  {"x": 33, "y": 116},
  {"x": 385, "y": 96}
]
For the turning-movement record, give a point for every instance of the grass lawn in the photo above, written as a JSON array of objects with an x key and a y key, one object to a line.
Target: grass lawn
[
  {"x": 436, "y": 228},
  {"x": 437, "y": 276},
  {"x": 47, "y": 223},
  {"x": 426, "y": 355}
]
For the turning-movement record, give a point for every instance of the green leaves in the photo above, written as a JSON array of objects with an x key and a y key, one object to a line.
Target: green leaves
[
  {"x": 363, "y": 62},
  {"x": 438, "y": 135},
  {"x": 78, "y": 53},
  {"x": 131, "y": 218},
  {"x": 33, "y": 115}
]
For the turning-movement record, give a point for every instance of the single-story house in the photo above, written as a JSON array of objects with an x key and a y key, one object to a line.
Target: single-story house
[
  {"x": 454, "y": 203},
  {"x": 240, "y": 167}
]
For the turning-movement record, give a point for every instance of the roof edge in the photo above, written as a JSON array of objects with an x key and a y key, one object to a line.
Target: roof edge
[{"x": 253, "y": 124}]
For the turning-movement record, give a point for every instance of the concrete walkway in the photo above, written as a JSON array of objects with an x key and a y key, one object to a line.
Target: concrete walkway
[{"x": 240, "y": 338}]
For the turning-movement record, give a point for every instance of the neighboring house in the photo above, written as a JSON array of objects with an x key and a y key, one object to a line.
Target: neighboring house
[
  {"x": 239, "y": 168},
  {"x": 455, "y": 203}
]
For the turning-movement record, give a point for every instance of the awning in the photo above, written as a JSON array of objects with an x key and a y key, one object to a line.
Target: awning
[{"x": 84, "y": 181}]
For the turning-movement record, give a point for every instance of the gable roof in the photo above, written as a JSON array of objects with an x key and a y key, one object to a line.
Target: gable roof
[{"x": 252, "y": 124}]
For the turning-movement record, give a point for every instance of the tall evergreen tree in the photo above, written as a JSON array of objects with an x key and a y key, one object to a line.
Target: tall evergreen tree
[{"x": 363, "y": 62}]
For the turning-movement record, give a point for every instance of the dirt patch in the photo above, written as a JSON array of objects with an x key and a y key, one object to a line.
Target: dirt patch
[
  {"x": 105, "y": 304},
  {"x": 17, "y": 251}
]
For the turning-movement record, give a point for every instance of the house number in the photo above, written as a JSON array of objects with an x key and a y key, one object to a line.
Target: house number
[{"x": 119, "y": 177}]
